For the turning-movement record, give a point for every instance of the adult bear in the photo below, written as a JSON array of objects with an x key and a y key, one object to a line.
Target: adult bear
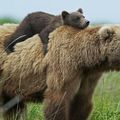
[{"x": 75, "y": 61}]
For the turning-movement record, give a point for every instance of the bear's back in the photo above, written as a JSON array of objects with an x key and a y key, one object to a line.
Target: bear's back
[{"x": 39, "y": 20}]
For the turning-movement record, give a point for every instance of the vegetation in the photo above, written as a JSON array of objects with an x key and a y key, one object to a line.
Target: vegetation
[
  {"x": 107, "y": 98},
  {"x": 8, "y": 20}
]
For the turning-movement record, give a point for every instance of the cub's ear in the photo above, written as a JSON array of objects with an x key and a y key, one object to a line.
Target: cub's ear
[
  {"x": 80, "y": 10},
  {"x": 64, "y": 14},
  {"x": 106, "y": 33}
]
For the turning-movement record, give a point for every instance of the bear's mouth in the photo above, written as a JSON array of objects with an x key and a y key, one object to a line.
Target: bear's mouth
[{"x": 85, "y": 25}]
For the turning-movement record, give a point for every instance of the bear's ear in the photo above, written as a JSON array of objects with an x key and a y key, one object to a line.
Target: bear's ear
[
  {"x": 64, "y": 14},
  {"x": 106, "y": 33},
  {"x": 80, "y": 10}
]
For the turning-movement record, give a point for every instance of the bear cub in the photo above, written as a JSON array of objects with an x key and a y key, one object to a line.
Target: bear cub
[{"x": 43, "y": 23}]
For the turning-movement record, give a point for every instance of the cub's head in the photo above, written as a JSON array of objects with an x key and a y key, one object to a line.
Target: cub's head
[
  {"x": 110, "y": 45},
  {"x": 75, "y": 19}
]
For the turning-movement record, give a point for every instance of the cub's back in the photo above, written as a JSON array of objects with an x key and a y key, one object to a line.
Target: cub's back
[{"x": 39, "y": 20}]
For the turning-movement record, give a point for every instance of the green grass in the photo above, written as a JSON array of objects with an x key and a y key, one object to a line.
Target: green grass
[
  {"x": 8, "y": 20},
  {"x": 35, "y": 112},
  {"x": 106, "y": 100}
]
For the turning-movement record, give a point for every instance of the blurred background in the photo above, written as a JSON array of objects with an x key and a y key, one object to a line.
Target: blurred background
[{"x": 97, "y": 11}]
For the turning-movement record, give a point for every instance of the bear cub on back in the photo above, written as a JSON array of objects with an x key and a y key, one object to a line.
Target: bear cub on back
[{"x": 43, "y": 23}]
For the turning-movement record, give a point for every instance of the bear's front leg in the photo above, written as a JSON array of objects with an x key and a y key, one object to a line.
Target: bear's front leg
[
  {"x": 57, "y": 105},
  {"x": 81, "y": 105}
]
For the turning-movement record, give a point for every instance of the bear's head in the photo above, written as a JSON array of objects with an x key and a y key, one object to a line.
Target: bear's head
[
  {"x": 110, "y": 46},
  {"x": 75, "y": 19}
]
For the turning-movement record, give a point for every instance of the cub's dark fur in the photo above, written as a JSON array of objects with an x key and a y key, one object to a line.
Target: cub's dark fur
[{"x": 43, "y": 23}]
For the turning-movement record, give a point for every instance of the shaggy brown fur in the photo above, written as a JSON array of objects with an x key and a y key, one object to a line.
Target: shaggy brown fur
[
  {"x": 5, "y": 31},
  {"x": 75, "y": 61},
  {"x": 21, "y": 75}
]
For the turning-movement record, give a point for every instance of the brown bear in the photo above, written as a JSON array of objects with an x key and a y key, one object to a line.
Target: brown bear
[
  {"x": 44, "y": 23},
  {"x": 75, "y": 61}
]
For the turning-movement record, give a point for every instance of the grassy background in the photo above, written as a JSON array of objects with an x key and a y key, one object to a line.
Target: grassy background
[{"x": 106, "y": 98}]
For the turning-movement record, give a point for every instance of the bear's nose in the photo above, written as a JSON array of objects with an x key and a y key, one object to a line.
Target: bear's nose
[{"x": 88, "y": 22}]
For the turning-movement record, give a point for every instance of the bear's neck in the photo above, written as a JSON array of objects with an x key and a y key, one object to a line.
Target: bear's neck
[{"x": 58, "y": 20}]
